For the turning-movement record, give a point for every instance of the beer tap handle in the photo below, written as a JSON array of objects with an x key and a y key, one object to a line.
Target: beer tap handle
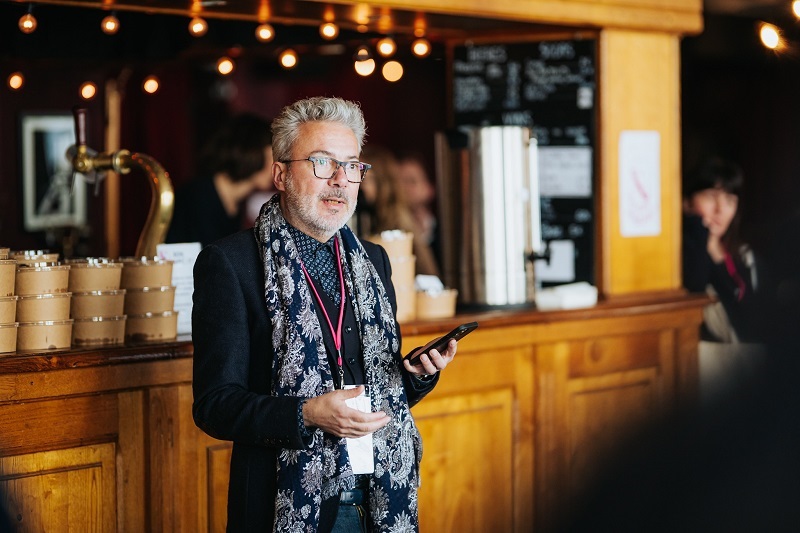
[{"x": 80, "y": 125}]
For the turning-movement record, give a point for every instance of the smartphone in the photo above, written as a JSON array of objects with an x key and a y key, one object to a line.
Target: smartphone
[{"x": 440, "y": 344}]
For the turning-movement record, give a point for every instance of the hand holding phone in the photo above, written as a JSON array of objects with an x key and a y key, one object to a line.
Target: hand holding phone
[{"x": 440, "y": 344}]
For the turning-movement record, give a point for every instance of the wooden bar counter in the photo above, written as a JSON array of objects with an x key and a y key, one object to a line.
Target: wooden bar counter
[{"x": 103, "y": 440}]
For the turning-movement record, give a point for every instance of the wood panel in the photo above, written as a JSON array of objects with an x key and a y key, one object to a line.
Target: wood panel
[
  {"x": 218, "y": 463},
  {"x": 639, "y": 89},
  {"x": 468, "y": 464},
  {"x": 673, "y": 16},
  {"x": 62, "y": 490}
]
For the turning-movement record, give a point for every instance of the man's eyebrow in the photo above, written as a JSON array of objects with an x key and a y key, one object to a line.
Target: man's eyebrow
[{"x": 329, "y": 154}]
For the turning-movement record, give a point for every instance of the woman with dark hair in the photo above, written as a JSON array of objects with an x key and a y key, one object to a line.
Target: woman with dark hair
[
  {"x": 713, "y": 256},
  {"x": 717, "y": 262},
  {"x": 235, "y": 163}
]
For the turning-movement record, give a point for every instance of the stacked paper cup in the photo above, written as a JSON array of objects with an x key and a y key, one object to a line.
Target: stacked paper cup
[
  {"x": 398, "y": 245},
  {"x": 41, "y": 284},
  {"x": 97, "y": 302},
  {"x": 8, "y": 304},
  {"x": 149, "y": 300}
]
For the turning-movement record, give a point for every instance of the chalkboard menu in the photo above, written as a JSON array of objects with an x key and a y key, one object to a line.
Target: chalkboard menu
[{"x": 548, "y": 86}]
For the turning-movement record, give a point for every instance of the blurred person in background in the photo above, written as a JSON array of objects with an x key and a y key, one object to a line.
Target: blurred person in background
[
  {"x": 235, "y": 163},
  {"x": 714, "y": 258},
  {"x": 382, "y": 206},
  {"x": 420, "y": 194},
  {"x": 717, "y": 262}
]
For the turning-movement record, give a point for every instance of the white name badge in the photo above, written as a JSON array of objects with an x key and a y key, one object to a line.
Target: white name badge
[{"x": 362, "y": 457}]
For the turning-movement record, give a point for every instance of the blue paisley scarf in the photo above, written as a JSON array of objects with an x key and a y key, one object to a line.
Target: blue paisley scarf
[{"x": 300, "y": 368}]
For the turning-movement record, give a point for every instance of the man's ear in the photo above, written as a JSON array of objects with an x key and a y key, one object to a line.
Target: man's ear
[{"x": 279, "y": 171}]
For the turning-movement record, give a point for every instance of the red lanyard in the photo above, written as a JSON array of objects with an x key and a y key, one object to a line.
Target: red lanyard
[
  {"x": 337, "y": 333},
  {"x": 730, "y": 266}
]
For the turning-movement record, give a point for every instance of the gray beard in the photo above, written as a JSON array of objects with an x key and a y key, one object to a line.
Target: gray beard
[{"x": 303, "y": 209}]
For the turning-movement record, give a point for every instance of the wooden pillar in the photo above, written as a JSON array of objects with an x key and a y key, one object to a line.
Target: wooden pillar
[{"x": 639, "y": 89}]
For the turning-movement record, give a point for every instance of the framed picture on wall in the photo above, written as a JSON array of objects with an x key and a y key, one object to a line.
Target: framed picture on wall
[{"x": 52, "y": 198}]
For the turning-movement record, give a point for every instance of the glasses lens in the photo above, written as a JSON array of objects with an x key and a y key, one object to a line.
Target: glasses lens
[
  {"x": 326, "y": 167},
  {"x": 353, "y": 171}
]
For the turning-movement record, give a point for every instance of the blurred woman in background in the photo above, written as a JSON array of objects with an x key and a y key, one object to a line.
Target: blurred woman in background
[
  {"x": 235, "y": 163},
  {"x": 382, "y": 206}
]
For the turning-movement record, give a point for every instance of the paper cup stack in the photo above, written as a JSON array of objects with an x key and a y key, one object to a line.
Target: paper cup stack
[
  {"x": 149, "y": 300},
  {"x": 97, "y": 302},
  {"x": 398, "y": 245},
  {"x": 43, "y": 303},
  {"x": 8, "y": 304}
]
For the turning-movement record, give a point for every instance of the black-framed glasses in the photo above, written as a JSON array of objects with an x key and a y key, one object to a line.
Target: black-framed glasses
[{"x": 326, "y": 167}]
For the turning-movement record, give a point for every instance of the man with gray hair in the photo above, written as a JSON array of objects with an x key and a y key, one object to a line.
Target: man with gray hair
[{"x": 297, "y": 349}]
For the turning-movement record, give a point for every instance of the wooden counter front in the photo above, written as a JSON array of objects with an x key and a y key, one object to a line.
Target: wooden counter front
[{"x": 104, "y": 440}]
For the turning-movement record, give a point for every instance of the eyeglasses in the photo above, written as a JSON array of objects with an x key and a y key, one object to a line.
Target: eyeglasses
[{"x": 325, "y": 168}]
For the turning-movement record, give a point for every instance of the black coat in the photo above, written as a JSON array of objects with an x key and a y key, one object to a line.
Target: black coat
[{"x": 233, "y": 353}]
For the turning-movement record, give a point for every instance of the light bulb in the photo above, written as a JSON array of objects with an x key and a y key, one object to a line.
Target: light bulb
[
  {"x": 796, "y": 8},
  {"x": 365, "y": 67},
  {"x": 150, "y": 85},
  {"x": 16, "y": 80},
  {"x": 362, "y": 53},
  {"x": 421, "y": 47},
  {"x": 27, "y": 23},
  {"x": 329, "y": 31},
  {"x": 288, "y": 58},
  {"x": 198, "y": 27},
  {"x": 88, "y": 90},
  {"x": 392, "y": 71},
  {"x": 265, "y": 33},
  {"x": 225, "y": 66},
  {"x": 770, "y": 36},
  {"x": 110, "y": 25},
  {"x": 386, "y": 47}
]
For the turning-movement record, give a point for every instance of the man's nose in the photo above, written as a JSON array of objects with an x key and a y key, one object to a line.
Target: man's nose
[{"x": 339, "y": 178}]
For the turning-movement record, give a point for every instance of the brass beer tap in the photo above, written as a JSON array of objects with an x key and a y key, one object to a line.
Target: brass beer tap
[{"x": 162, "y": 203}]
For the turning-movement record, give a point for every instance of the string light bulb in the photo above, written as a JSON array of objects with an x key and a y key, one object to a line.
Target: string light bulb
[
  {"x": 150, "y": 85},
  {"x": 329, "y": 31},
  {"x": 198, "y": 26},
  {"x": 27, "y": 22},
  {"x": 421, "y": 47},
  {"x": 362, "y": 53},
  {"x": 110, "y": 24},
  {"x": 770, "y": 36},
  {"x": 796, "y": 8},
  {"x": 288, "y": 58},
  {"x": 88, "y": 90},
  {"x": 225, "y": 66},
  {"x": 386, "y": 47},
  {"x": 392, "y": 71},
  {"x": 364, "y": 67},
  {"x": 15, "y": 81},
  {"x": 265, "y": 32}
]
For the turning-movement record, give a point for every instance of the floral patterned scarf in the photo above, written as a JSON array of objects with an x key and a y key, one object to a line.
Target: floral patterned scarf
[{"x": 301, "y": 368}]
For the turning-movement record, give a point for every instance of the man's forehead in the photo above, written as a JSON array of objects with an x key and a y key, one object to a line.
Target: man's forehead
[{"x": 327, "y": 137}]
